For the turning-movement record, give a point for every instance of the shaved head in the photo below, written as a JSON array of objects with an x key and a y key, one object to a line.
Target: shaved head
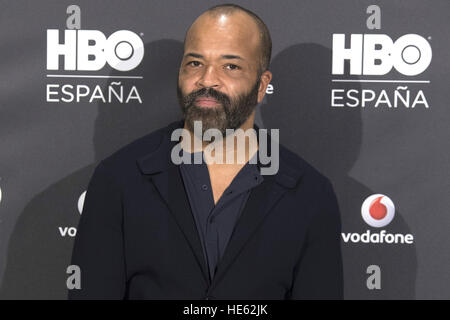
[{"x": 265, "y": 41}]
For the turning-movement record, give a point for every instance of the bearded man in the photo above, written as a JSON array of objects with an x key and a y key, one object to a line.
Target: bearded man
[{"x": 156, "y": 228}]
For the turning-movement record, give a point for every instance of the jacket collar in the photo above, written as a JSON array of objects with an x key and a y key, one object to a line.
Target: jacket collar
[{"x": 159, "y": 159}]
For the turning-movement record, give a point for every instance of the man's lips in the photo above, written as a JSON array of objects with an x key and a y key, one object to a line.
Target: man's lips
[{"x": 206, "y": 102}]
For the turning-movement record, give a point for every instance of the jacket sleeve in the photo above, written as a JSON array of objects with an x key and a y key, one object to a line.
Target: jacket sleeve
[
  {"x": 98, "y": 248},
  {"x": 319, "y": 272}
]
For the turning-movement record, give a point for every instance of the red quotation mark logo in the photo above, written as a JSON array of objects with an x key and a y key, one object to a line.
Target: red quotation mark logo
[{"x": 378, "y": 210}]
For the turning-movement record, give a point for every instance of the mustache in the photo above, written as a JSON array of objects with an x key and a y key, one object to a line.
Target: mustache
[{"x": 189, "y": 99}]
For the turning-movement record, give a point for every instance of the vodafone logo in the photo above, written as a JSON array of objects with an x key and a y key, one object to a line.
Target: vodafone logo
[
  {"x": 80, "y": 203},
  {"x": 72, "y": 231},
  {"x": 378, "y": 210}
]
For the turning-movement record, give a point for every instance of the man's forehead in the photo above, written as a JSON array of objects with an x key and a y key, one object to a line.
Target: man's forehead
[{"x": 236, "y": 30}]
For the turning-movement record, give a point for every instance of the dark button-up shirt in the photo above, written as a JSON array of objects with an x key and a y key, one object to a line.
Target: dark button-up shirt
[{"x": 215, "y": 222}]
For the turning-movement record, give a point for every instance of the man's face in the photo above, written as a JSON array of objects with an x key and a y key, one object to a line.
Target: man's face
[{"x": 218, "y": 81}]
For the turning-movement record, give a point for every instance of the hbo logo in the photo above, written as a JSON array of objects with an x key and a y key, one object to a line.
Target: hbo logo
[
  {"x": 90, "y": 50},
  {"x": 376, "y": 54}
]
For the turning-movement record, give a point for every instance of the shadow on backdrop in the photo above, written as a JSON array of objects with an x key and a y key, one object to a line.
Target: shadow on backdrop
[
  {"x": 330, "y": 139},
  {"x": 38, "y": 255}
]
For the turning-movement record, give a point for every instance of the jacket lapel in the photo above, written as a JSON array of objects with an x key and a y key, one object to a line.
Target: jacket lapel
[
  {"x": 259, "y": 204},
  {"x": 166, "y": 177}
]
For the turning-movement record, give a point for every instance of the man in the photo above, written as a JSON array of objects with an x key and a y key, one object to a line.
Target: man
[{"x": 156, "y": 229}]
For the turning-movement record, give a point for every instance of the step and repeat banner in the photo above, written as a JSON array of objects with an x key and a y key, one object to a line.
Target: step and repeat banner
[{"x": 360, "y": 89}]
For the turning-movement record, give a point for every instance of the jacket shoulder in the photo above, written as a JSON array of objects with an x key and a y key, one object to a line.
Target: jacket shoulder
[
  {"x": 309, "y": 174},
  {"x": 124, "y": 159}
]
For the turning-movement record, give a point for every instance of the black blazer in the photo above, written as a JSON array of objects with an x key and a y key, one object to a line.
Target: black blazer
[{"x": 137, "y": 237}]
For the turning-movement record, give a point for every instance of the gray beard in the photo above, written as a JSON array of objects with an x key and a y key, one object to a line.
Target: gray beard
[{"x": 230, "y": 114}]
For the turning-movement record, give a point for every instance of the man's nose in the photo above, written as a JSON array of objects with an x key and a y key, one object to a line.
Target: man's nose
[{"x": 209, "y": 78}]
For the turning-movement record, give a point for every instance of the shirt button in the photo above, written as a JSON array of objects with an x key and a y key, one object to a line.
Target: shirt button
[{"x": 204, "y": 187}]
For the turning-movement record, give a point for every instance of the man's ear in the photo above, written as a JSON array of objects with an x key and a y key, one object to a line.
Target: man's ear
[{"x": 265, "y": 78}]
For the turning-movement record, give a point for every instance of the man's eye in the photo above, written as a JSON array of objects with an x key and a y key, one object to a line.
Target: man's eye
[
  {"x": 194, "y": 63},
  {"x": 232, "y": 67}
]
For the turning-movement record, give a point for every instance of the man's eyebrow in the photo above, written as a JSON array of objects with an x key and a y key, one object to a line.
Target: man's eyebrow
[
  {"x": 194, "y": 55},
  {"x": 231, "y": 56},
  {"x": 225, "y": 56}
]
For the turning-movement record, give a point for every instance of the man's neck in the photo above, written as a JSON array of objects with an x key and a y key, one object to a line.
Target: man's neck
[{"x": 228, "y": 148}]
